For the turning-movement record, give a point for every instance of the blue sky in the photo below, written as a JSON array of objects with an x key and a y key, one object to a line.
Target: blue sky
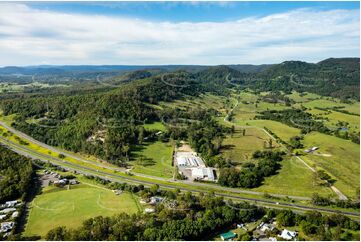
[
  {"x": 147, "y": 33},
  {"x": 189, "y": 11}
]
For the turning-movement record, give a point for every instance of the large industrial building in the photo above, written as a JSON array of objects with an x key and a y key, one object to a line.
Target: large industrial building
[
  {"x": 193, "y": 167},
  {"x": 189, "y": 159}
]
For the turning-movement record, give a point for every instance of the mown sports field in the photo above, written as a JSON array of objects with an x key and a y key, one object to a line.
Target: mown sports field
[{"x": 63, "y": 207}]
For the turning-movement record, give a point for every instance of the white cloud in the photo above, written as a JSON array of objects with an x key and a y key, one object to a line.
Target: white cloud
[{"x": 30, "y": 36}]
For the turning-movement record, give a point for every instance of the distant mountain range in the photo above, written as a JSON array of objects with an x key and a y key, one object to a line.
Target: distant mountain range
[
  {"x": 337, "y": 77},
  {"x": 51, "y": 69}
]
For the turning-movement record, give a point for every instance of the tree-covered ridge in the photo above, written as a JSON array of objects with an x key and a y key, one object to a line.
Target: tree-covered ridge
[
  {"x": 332, "y": 77},
  {"x": 69, "y": 121}
]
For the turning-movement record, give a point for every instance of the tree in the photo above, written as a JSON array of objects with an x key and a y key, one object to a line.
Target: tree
[
  {"x": 125, "y": 150},
  {"x": 58, "y": 234},
  {"x": 140, "y": 134},
  {"x": 295, "y": 142},
  {"x": 308, "y": 228},
  {"x": 285, "y": 218},
  {"x": 245, "y": 237},
  {"x": 154, "y": 189},
  {"x": 233, "y": 129},
  {"x": 61, "y": 156},
  {"x": 325, "y": 177},
  {"x": 218, "y": 143}
]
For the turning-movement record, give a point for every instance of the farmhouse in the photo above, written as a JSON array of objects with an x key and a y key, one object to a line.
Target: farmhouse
[
  {"x": 288, "y": 235},
  {"x": 265, "y": 227},
  {"x": 155, "y": 200}
]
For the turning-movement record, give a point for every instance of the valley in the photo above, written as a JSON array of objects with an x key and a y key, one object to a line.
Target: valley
[{"x": 127, "y": 134}]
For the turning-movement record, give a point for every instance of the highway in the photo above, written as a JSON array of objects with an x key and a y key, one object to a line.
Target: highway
[
  {"x": 112, "y": 168},
  {"x": 126, "y": 178}
]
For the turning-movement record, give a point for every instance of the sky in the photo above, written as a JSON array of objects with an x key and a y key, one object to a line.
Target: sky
[{"x": 159, "y": 33}]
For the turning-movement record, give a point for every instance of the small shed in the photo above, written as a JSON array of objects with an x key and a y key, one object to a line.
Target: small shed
[{"x": 228, "y": 236}]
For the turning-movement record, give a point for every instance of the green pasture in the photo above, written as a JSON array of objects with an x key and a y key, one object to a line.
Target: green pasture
[
  {"x": 154, "y": 159},
  {"x": 238, "y": 148},
  {"x": 283, "y": 131},
  {"x": 293, "y": 179},
  {"x": 338, "y": 157},
  {"x": 297, "y": 97}
]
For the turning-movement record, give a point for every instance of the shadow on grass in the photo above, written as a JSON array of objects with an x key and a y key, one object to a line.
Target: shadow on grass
[
  {"x": 138, "y": 159},
  {"x": 228, "y": 147}
]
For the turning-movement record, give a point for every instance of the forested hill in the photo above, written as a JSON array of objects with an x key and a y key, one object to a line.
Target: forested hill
[
  {"x": 331, "y": 77},
  {"x": 120, "y": 110},
  {"x": 69, "y": 121}
]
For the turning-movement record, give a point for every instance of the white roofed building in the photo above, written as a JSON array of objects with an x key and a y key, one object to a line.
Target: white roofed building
[
  {"x": 203, "y": 173},
  {"x": 288, "y": 235}
]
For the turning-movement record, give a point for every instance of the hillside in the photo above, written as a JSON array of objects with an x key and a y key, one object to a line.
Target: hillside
[
  {"x": 128, "y": 101},
  {"x": 331, "y": 77}
]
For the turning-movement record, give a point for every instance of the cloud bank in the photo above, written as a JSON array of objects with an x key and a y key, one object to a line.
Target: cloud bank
[{"x": 29, "y": 37}]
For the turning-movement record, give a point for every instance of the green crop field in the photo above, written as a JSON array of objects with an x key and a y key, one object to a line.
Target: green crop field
[
  {"x": 339, "y": 157},
  {"x": 62, "y": 207},
  {"x": 154, "y": 159},
  {"x": 294, "y": 179}
]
